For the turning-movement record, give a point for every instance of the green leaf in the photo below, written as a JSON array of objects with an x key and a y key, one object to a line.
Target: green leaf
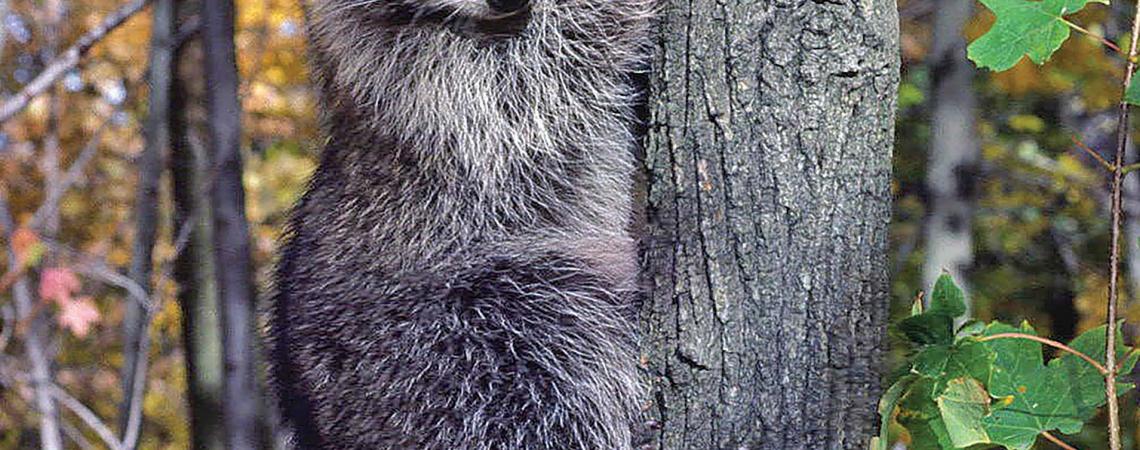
[
  {"x": 935, "y": 325},
  {"x": 887, "y": 406},
  {"x": 1024, "y": 28},
  {"x": 971, "y": 328},
  {"x": 1037, "y": 401},
  {"x": 947, "y": 297},
  {"x": 1087, "y": 381},
  {"x": 1032, "y": 397},
  {"x": 1132, "y": 94},
  {"x": 963, "y": 405},
  {"x": 919, "y": 414},
  {"x": 944, "y": 363},
  {"x": 928, "y": 328}
]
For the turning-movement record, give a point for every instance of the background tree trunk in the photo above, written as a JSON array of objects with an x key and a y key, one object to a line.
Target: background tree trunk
[
  {"x": 193, "y": 237},
  {"x": 136, "y": 319},
  {"x": 954, "y": 150},
  {"x": 231, "y": 230},
  {"x": 769, "y": 153}
]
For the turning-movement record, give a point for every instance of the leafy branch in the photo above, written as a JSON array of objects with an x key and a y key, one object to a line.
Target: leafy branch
[
  {"x": 1051, "y": 343},
  {"x": 988, "y": 383}
]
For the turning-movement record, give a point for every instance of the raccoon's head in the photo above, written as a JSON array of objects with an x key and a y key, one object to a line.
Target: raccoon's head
[
  {"x": 482, "y": 75},
  {"x": 487, "y": 21}
]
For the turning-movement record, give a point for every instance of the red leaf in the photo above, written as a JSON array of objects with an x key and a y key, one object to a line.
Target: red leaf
[
  {"x": 78, "y": 315},
  {"x": 58, "y": 284}
]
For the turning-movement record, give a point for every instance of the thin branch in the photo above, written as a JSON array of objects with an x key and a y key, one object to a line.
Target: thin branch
[
  {"x": 74, "y": 172},
  {"x": 1081, "y": 145},
  {"x": 150, "y": 163},
  {"x": 1056, "y": 441},
  {"x": 1095, "y": 37},
  {"x": 94, "y": 267},
  {"x": 67, "y": 60},
  {"x": 87, "y": 416},
  {"x": 1099, "y": 367},
  {"x": 34, "y": 345},
  {"x": 1114, "y": 252},
  {"x": 75, "y": 435}
]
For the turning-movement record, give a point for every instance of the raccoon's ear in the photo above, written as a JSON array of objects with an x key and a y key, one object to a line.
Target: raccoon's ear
[{"x": 507, "y": 6}]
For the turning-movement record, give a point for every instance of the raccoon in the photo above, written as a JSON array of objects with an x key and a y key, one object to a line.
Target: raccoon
[{"x": 460, "y": 273}]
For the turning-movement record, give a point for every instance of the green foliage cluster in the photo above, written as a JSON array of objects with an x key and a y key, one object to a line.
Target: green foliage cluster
[{"x": 987, "y": 384}]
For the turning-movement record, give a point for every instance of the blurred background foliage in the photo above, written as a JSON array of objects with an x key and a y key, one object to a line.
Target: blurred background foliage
[
  {"x": 1040, "y": 230},
  {"x": 105, "y": 102},
  {"x": 1040, "y": 203}
]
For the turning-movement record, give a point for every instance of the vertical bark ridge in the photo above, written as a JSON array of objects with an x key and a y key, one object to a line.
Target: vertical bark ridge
[{"x": 769, "y": 169}]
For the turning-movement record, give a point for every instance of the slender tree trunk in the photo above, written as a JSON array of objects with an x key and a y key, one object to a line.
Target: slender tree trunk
[
  {"x": 193, "y": 238},
  {"x": 34, "y": 344},
  {"x": 769, "y": 154},
  {"x": 954, "y": 148},
  {"x": 231, "y": 231},
  {"x": 38, "y": 337},
  {"x": 150, "y": 166}
]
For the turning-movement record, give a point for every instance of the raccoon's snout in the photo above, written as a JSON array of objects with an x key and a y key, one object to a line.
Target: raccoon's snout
[{"x": 507, "y": 6}]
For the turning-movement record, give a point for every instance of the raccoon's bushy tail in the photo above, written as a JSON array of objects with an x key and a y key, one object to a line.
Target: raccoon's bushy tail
[{"x": 501, "y": 353}]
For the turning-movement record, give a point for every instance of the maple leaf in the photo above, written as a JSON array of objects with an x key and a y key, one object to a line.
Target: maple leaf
[
  {"x": 1024, "y": 28},
  {"x": 78, "y": 315},
  {"x": 57, "y": 284}
]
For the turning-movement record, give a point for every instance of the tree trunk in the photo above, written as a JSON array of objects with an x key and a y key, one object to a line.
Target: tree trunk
[
  {"x": 231, "y": 231},
  {"x": 193, "y": 237},
  {"x": 769, "y": 154},
  {"x": 41, "y": 349},
  {"x": 954, "y": 149},
  {"x": 150, "y": 165}
]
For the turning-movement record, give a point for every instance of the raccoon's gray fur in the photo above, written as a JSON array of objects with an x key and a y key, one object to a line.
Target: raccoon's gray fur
[{"x": 459, "y": 274}]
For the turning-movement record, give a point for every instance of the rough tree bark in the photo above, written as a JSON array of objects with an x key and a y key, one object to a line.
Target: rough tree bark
[
  {"x": 769, "y": 154},
  {"x": 954, "y": 148},
  {"x": 231, "y": 230},
  {"x": 193, "y": 237}
]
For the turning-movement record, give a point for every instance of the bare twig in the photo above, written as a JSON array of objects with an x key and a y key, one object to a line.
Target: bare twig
[
  {"x": 1094, "y": 36},
  {"x": 1114, "y": 253},
  {"x": 1099, "y": 367},
  {"x": 76, "y": 436},
  {"x": 33, "y": 342},
  {"x": 68, "y": 60},
  {"x": 1081, "y": 145},
  {"x": 87, "y": 416},
  {"x": 34, "y": 345},
  {"x": 56, "y": 191},
  {"x": 1056, "y": 441}
]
